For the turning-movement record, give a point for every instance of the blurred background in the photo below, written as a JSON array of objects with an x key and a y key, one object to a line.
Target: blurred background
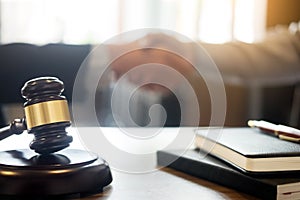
[
  {"x": 94, "y": 21},
  {"x": 53, "y": 37}
]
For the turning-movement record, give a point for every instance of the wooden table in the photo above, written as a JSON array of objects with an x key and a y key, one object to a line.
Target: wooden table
[
  {"x": 165, "y": 184},
  {"x": 160, "y": 184}
]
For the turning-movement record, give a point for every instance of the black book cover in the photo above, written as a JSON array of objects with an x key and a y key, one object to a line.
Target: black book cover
[
  {"x": 250, "y": 150},
  {"x": 214, "y": 170},
  {"x": 251, "y": 143}
]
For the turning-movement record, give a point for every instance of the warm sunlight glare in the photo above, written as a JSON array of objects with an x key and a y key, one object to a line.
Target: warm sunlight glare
[
  {"x": 216, "y": 22},
  {"x": 94, "y": 21},
  {"x": 249, "y": 21},
  {"x": 227, "y": 20}
]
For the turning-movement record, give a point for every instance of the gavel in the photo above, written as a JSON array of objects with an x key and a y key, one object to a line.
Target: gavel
[{"x": 46, "y": 116}]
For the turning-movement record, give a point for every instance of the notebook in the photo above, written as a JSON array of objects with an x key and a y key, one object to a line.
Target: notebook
[
  {"x": 250, "y": 150},
  {"x": 212, "y": 169}
]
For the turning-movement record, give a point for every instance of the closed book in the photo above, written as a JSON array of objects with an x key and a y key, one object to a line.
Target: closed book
[
  {"x": 250, "y": 150},
  {"x": 212, "y": 169}
]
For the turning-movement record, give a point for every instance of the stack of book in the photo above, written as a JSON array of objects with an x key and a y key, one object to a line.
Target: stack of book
[{"x": 241, "y": 158}]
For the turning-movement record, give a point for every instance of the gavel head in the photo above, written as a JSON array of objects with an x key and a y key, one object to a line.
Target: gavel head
[{"x": 47, "y": 114}]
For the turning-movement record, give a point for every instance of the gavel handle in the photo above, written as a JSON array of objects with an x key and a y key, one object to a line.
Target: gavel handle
[{"x": 16, "y": 127}]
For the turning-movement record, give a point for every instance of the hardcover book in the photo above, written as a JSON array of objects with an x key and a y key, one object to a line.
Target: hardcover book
[
  {"x": 250, "y": 150},
  {"x": 212, "y": 169}
]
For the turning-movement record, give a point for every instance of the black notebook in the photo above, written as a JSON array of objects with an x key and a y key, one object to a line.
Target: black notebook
[
  {"x": 250, "y": 150},
  {"x": 214, "y": 170}
]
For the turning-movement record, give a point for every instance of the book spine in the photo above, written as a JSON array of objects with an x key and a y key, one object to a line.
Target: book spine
[{"x": 228, "y": 178}]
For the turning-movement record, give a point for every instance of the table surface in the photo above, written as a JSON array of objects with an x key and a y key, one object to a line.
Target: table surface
[{"x": 164, "y": 183}]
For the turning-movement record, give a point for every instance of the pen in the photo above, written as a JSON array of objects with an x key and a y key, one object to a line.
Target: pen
[{"x": 280, "y": 131}]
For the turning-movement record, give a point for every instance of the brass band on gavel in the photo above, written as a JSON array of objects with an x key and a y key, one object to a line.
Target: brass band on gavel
[{"x": 46, "y": 113}]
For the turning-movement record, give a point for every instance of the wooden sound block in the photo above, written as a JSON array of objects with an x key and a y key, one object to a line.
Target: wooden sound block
[{"x": 68, "y": 173}]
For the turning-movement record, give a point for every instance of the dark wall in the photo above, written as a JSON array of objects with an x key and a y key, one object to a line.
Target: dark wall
[
  {"x": 282, "y": 12},
  {"x": 21, "y": 62}
]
